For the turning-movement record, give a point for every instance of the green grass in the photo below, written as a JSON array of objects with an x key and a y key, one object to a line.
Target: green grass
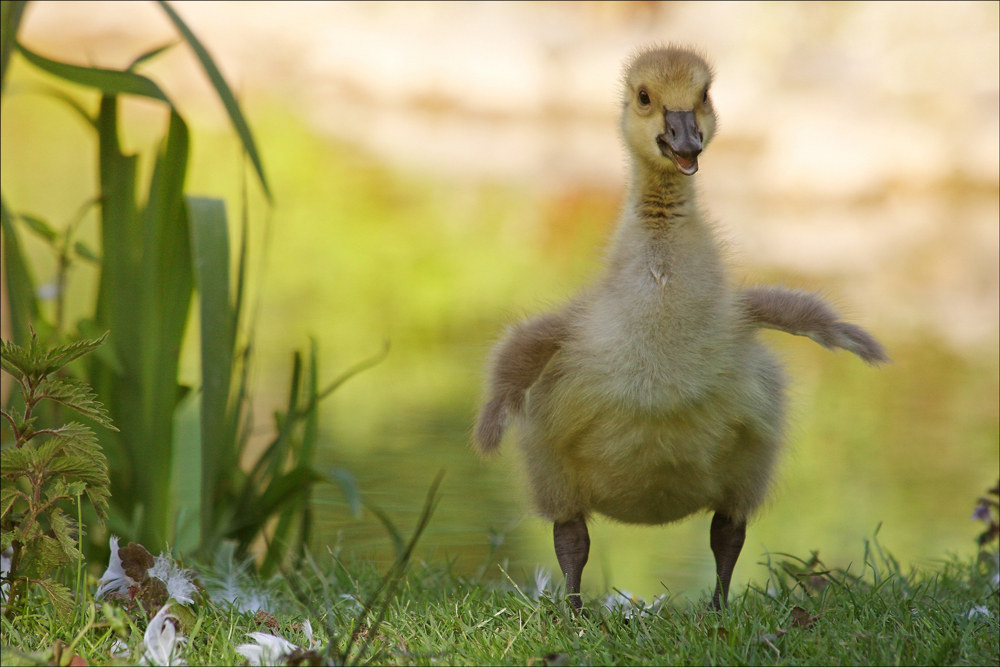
[{"x": 804, "y": 615}]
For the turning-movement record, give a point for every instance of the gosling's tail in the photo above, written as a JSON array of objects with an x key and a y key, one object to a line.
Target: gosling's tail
[
  {"x": 517, "y": 362},
  {"x": 806, "y": 314}
]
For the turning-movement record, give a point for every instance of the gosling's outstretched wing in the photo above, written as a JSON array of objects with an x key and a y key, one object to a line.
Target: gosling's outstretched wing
[
  {"x": 516, "y": 363},
  {"x": 806, "y": 314}
]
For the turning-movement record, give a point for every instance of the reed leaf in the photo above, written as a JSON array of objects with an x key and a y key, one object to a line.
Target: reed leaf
[
  {"x": 10, "y": 21},
  {"x": 219, "y": 438},
  {"x": 224, "y": 93},
  {"x": 110, "y": 81},
  {"x": 20, "y": 283}
]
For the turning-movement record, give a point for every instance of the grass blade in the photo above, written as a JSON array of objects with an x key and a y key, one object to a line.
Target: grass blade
[
  {"x": 391, "y": 580},
  {"x": 10, "y": 22},
  {"x": 149, "y": 55},
  {"x": 224, "y": 92},
  {"x": 20, "y": 284},
  {"x": 110, "y": 81}
]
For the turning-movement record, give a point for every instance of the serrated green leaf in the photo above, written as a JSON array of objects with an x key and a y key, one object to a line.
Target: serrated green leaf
[
  {"x": 15, "y": 359},
  {"x": 58, "y": 357},
  {"x": 65, "y": 530},
  {"x": 27, "y": 531},
  {"x": 42, "y": 455},
  {"x": 22, "y": 425},
  {"x": 6, "y": 539},
  {"x": 42, "y": 555},
  {"x": 8, "y": 496},
  {"x": 111, "y": 81},
  {"x": 15, "y": 462},
  {"x": 64, "y": 488},
  {"x": 78, "y": 440},
  {"x": 77, "y": 395},
  {"x": 77, "y": 466},
  {"x": 59, "y": 595}
]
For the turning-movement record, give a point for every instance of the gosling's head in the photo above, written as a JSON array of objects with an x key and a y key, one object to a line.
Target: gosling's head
[{"x": 667, "y": 114}]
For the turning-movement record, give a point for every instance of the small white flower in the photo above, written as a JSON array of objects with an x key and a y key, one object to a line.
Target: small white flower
[
  {"x": 269, "y": 650},
  {"x": 979, "y": 611},
  {"x": 114, "y": 579},
  {"x": 179, "y": 581},
  {"x": 163, "y": 644}
]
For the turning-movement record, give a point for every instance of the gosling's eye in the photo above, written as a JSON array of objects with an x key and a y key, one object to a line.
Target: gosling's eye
[
  {"x": 643, "y": 98},
  {"x": 704, "y": 97}
]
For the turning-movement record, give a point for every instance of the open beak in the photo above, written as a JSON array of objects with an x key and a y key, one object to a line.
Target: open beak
[{"x": 681, "y": 140}]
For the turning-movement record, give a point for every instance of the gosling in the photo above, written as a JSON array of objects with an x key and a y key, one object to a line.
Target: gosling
[{"x": 648, "y": 397}]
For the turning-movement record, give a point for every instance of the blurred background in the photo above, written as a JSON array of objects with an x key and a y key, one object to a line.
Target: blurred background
[{"x": 441, "y": 170}]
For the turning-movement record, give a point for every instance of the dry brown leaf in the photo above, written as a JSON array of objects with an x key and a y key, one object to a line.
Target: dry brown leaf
[
  {"x": 267, "y": 620},
  {"x": 721, "y": 633},
  {"x": 136, "y": 561},
  {"x": 802, "y": 618}
]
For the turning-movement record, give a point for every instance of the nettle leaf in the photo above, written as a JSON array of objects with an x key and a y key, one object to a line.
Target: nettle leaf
[
  {"x": 83, "y": 458},
  {"x": 62, "y": 488},
  {"x": 98, "y": 496},
  {"x": 6, "y": 539},
  {"x": 58, "y": 357},
  {"x": 60, "y": 596},
  {"x": 76, "y": 395},
  {"x": 15, "y": 359},
  {"x": 27, "y": 531},
  {"x": 87, "y": 470},
  {"x": 45, "y": 452},
  {"x": 67, "y": 532},
  {"x": 44, "y": 555},
  {"x": 21, "y": 424},
  {"x": 15, "y": 462},
  {"x": 79, "y": 440},
  {"x": 8, "y": 495}
]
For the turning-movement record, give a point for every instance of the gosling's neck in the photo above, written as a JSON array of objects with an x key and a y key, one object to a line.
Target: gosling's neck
[{"x": 660, "y": 199}]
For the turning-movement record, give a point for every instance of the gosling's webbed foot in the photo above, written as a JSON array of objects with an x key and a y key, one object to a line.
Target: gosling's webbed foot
[
  {"x": 572, "y": 542},
  {"x": 727, "y": 537}
]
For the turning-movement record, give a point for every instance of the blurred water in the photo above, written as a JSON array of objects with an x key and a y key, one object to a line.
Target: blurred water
[{"x": 909, "y": 446}]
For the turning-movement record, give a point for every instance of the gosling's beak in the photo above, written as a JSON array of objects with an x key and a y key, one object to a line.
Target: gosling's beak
[{"x": 681, "y": 140}]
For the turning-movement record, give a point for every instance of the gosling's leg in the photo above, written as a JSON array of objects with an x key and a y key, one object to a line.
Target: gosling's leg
[
  {"x": 572, "y": 549},
  {"x": 727, "y": 539}
]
